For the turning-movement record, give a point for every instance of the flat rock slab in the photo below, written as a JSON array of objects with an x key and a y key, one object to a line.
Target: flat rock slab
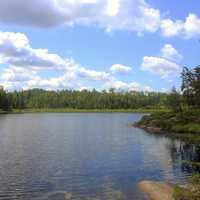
[{"x": 157, "y": 190}]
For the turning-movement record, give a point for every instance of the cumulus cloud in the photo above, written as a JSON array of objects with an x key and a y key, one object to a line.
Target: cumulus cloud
[
  {"x": 16, "y": 50},
  {"x": 186, "y": 29},
  {"x": 170, "y": 53},
  {"x": 133, "y": 15},
  {"x": 165, "y": 65},
  {"x": 18, "y": 74},
  {"x": 25, "y": 65},
  {"x": 61, "y": 82},
  {"x": 159, "y": 66},
  {"x": 123, "y": 86},
  {"x": 18, "y": 78},
  {"x": 92, "y": 74},
  {"x": 121, "y": 69},
  {"x": 43, "y": 13}
]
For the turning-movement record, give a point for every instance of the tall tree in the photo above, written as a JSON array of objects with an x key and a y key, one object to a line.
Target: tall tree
[
  {"x": 4, "y": 102},
  {"x": 191, "y": 86},
  {"x": 174, "y": 100}
]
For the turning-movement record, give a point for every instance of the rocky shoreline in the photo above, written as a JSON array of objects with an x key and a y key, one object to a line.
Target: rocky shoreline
[
  {"x": 156, "y": 190},
  {"x": 150, "y": 129}
]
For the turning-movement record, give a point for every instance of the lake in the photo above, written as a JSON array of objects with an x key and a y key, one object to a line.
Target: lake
[{"x": 91, "y": 156}]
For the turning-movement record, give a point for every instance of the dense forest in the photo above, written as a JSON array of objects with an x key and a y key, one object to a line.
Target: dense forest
[{"x": 38, "y": 98}]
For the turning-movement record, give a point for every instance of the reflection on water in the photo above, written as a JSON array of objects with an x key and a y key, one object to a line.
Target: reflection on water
[
  {"x": 186, "y": 154},
  {"x": 85, "y": 157}
]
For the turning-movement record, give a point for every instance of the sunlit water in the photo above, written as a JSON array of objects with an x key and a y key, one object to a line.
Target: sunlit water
[{"x": 83, "y": 157}]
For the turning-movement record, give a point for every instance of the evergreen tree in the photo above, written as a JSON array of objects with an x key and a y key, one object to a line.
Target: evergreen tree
[
  {"x": 4, "y": 102},
  {"x": 191, "y": 86},
  {"x": 174, "y": 100}
]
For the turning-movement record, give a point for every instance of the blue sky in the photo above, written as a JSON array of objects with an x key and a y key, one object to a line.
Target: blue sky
[{"x": 102, "y": 44}]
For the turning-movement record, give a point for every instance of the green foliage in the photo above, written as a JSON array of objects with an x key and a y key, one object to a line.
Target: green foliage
[
  {"x": 187, "y": 128},
  {"x": 191, "y": 192},
  {"x": 4, "y": 101},
  {"x": 183, "y": 194},
  {"x": 174, "y": 101},
  {"x": 195, "y": 180},
  {"x": 191, "y": 86},
  {"x": 180, "y": 194},
  {"x": 80, "y": 100},
  {"x": 172, "y": 122}
]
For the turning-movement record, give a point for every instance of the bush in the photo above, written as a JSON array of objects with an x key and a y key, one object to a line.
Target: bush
[
  {"x": 190, "y": 193},
  {"x": 187, "y": 122},
  {"x": 187, "y": 128},
  {"x": 183, "y": 194}
]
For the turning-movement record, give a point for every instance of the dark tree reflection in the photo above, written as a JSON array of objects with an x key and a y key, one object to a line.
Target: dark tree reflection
[{"x": 185, "y": 154}]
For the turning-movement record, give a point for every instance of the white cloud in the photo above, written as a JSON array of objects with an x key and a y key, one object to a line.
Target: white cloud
[
  {"x": 186, "y": 29},
  {"x": 123, "y": 86},
  {"x": 65, "y": 81},
  {"x": 159, "y": 66},
  {"x": 165, "y": 65},
  {"x": 132, "y": 15},
  {"x": 92, "y": 74},
  {"x": 170, "y": 28},
  {"x": 112, "y": 8},
  {"x": 43, "y": 13},
  {"x": 121, "y": 69},
  {"x": 15, "y": 78},
  {"x": 25, "y": 78},
  {"x": 15, "y": 50},
  {"x": 170, "y": 53},
  {"x": 26, "y": 65}
]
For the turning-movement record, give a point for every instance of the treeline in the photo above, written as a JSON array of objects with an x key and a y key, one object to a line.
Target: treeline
[{"x": 38, "y": 98}]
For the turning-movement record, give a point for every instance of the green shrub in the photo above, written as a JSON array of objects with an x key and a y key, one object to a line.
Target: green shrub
[
  {"x": 187, "y": 122},
  {"x": 187, "y": 128},
  {"x": 190, "y": 193},
  {"x": 183, "y": 194}
]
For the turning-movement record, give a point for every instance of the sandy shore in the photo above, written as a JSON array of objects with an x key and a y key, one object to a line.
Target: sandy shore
[{"x": 157, "y": 190}]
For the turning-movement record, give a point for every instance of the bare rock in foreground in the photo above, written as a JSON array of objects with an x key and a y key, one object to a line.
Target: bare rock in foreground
[{"x": 157, "y": 190}]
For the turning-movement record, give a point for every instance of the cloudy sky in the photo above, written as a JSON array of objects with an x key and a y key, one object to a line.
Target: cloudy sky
[{"x": 86, "y": 44}]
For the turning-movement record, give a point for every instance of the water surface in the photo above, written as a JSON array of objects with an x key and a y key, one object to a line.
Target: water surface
[{"x": 84, "y": 157}]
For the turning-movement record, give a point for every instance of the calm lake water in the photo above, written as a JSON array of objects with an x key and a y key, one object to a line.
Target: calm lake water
[{"x": 84, "y": 157}]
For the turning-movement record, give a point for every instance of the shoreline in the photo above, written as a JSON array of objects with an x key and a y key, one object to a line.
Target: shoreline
[
  {"x": 63, "y": 110},
  {"x": 150, "y": 129},
  {"x": 184, "y": 126},
  {"x": 189, "y": 138}
]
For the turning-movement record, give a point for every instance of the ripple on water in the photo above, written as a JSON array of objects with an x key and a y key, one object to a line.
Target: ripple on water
[{"x": 84, "y": 157}]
